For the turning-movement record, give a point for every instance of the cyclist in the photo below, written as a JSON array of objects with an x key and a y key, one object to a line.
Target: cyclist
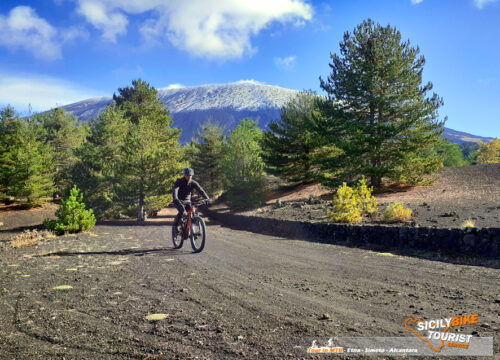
[{"x": 182, "y": 191}]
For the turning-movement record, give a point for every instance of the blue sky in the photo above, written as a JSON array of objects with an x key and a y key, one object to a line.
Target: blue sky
[{"x": 55, "y": 52}]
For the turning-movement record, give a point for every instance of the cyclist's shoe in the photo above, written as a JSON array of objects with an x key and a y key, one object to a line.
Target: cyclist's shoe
[
  {"x": 207, "y": 201},
  {"x": 176, "y": 230}
]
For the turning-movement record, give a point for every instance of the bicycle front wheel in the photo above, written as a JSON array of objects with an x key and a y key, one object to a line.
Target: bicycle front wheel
[
  {"x": 197, "y": 234},
  {"x": 177, "y": 238}
]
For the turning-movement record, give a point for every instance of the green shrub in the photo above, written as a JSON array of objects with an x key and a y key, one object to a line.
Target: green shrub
[
  {"x": 245, "y": 195},
  {"x": 450, "y": 154},
  {"x": 396, "y": 212},
  {"x": 350, "y": 205},
  {"x": 71, "y": 216},
  {"x": 152, "y": 204}
]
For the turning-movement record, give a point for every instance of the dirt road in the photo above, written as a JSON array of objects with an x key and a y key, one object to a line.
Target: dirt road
[{"x": 246, "y": 296}]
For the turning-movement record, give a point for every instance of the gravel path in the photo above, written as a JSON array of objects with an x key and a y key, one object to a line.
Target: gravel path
[{"x": 245, "y": 296}]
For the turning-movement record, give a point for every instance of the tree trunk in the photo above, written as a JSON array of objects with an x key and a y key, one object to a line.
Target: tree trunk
[
  {"x": 140, "y": 216},
  {"x": 375, "y": 181}
]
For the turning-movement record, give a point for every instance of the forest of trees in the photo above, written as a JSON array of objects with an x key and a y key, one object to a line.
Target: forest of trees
[{"x": 377, "y": 120}]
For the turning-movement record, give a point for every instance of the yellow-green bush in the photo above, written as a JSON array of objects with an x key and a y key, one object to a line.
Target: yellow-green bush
[
  {"x": 350, "y": 205},
  {"x": 417, "y": 171},
  {"x": 396, "y": 212},
  {"x": 489, "y": 153},
  {"x": 469, "y": 223},
  {"x": 367, "y": 200}
]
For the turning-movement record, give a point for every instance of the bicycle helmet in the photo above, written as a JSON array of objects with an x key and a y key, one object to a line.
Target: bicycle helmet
[{"x": 188, "y": 171}]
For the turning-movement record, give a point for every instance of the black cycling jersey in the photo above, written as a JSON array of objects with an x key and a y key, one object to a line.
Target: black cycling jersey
[{"x": 184, "y": 189}]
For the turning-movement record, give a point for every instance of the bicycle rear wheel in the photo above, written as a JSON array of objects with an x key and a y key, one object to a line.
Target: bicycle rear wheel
[
  {"x": 177, "y": 239},
  {"x": 197, "y": 234}
]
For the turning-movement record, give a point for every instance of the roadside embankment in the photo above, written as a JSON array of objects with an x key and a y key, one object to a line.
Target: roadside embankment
[{"x": 483, "y": 242}]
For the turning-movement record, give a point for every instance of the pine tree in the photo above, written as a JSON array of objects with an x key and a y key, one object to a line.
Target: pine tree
[
  {"x": 132, "y": 155},
  {"x": 289, "y": 146},
  {"x": 151, "y": 154},
  {"x": 378, "y": 114},
  {"x": 25, "y": 160},
  {"x": 469, "y": 152},
  {"x": 97, "y": 170},
  {"x": 243, "y": 165},
  {"x": 64, "y": 136},
  {"x": 36, "y": 166},
  {"x": 206, "y": 155},
  {"x": 10, "y": 143},
  {"x": 72, "y": 217},
  {"x": 8, "y": 113}
]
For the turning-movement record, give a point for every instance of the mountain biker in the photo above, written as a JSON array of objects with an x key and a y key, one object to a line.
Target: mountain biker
[{"x": 182, "y": 191}]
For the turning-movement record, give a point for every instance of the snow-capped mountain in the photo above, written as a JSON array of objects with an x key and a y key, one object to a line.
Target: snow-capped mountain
[
  {"x": 239, "y": 96},
  {"x": 224, "y": 104},
  {"x": 190, "y": 107}
]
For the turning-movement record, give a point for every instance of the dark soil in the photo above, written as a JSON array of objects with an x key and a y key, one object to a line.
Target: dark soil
[
  {"x": 458, "y": 194},
  {"x": 245, "y": 296},
  {"x": 14, "y": 217}
]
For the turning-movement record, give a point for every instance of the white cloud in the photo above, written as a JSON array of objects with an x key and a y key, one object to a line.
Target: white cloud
[
  {"x": 24, "y": 29},
  {"x": 414, "y": 2},
  {"x": 42, "y": 92},
  {"x": 250, "y": 81},
  {"x": 173, "y": 86},
  {"x": 213, "y": 28},
  {"x": 110, "y": 22},
  {"x": 73, "y": 33},
  {"x": 287, "y": 63},
  {"x": 480, "y": 3}
]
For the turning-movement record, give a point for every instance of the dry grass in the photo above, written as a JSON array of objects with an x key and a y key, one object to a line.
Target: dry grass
[{"x": 30, "y": 238}]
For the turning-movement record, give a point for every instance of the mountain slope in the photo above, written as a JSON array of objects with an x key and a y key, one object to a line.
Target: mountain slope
[
  {"x": 226, "y": 105},
  {"x": 460, "y": 137},
  {"x": 191, "y": 107}
]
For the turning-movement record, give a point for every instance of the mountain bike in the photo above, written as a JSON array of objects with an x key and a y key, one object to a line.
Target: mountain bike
[{"x": 191, "y": 225}]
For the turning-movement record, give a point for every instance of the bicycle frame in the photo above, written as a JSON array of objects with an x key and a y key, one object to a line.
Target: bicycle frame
[
  {"x": 191, "y": 211},
  {"x": 188, "y": 224}
]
